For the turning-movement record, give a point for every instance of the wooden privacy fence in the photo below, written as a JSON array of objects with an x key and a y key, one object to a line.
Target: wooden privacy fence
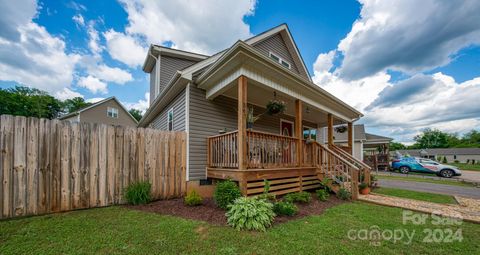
[{"x": 51, "y": 166}]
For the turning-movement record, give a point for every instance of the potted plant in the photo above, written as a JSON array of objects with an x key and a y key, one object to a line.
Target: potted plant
[
  {"x": 364, "y": 189},
  {"x": 341, "y": 129},
  {"x": 276, "y": 106}
]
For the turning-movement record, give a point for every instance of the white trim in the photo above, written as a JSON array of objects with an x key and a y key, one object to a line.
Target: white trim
[
  {"x": 173, "y": 117},
  {"x": 157, "y": 76},
  {"x": 187, "y": 129},
  {"x": 361, "y": 151},
  {"x": 353, "y": 142},
  {"x": 287, "y": 121},
  {"x": 280, "y": 59}
]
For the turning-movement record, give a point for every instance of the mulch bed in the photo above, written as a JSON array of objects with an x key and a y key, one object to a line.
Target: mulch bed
[{"x": 210, "y": 213}]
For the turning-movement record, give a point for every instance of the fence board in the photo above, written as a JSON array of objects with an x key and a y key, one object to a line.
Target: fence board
[
  {"x": 52, "y": 166},
  {"x": 32, "y": 165}
]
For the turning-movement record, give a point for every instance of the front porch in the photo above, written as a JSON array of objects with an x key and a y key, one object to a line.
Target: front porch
[{"x": 292, "y": 162}]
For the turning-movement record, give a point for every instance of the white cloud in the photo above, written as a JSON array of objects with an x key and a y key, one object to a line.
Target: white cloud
[
  {"x": 93, "y": 84},
  {"x": 125, "y": 48},
  {"x": 197, "y": 26},
  {"x": 141, "y": 104},
  {"x": 15, "y": 14},
  {"x": 408, "y": 36},
  {"x": 79, "y": 20},
  {"x": 110, "y": 74},
  {"x": 67, "y": 93},
  {"x": 94, "y": 39},
  {"x": 38, "y": 59}
]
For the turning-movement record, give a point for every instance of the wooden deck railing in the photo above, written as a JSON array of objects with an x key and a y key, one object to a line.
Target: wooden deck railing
[
  {"x": 222, "y": 150},
  {"x": 365, "y": 170},
  {"x": 266, "y": 150}
]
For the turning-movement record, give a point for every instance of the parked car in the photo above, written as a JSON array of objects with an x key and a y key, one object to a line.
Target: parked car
[{"x": 422, "y": 165}]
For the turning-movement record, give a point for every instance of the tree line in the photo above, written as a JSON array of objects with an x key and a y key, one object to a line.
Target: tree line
[
  {"x": 434, "y": 138},
  {"x": 31, "y": 102}
]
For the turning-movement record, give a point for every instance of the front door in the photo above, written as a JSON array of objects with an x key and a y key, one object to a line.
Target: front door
[{"x": 286, "y": 128}]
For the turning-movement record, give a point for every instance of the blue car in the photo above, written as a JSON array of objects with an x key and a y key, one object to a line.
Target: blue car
[{"x": 423, "y": 165}]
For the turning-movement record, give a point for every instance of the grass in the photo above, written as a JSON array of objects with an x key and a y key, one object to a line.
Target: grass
[
  {"x": 468, "y": 167},
  {"x": 423, "y": 196},
  {"x": 428, "y": 180},
  {"x": 117, "y": 230}
]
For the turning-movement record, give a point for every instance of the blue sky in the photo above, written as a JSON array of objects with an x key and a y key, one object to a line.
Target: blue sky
[{"x": 406, "y": 65}]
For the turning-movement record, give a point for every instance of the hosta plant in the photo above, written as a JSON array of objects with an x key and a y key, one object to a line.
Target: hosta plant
[{"x": 250, "y": 213}]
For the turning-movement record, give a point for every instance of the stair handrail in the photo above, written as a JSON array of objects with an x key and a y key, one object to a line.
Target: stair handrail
[{"x": 348, "y": 155}]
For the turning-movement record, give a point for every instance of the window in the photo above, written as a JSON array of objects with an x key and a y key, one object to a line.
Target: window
[
  {"x": 309, "y": 132},
  {"x": 278, "y": 59},
  {"x": 112, "y": 112},
  {"x": 170, "y": 120}
]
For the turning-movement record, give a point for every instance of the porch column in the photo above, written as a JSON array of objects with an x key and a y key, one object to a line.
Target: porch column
[
  {"x": 299, "y": 131},
  {"x": 241, "y": 122},
  {"x": 350, "y": 137},
  {"x": 330, "y": 129}
]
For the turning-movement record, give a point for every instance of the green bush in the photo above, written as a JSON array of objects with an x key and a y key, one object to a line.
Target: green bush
[
  {"x": 193, "y": 198},
  {"x": 444, "y": 161},
  {"x": 302, "y": 197},
  {"x": 324, "y": 184},
  {"x": 322, "y": 195},
  {"x": 138, "y": 193},
  {"x": 250, "y": 213},
  {"x": 344, "y": 194},
  {"x": 285, "y": 208},
  {"x": 225, "y": 193}
]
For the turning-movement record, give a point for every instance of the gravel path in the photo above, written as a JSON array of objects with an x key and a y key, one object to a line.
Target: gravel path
[
  {"x": 467, "y": 209},
  {"x": 432, "y": 188}
]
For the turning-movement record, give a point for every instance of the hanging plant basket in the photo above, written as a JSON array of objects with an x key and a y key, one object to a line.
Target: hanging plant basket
[
  {"x": 276, "y": 107},
  {"x": 341, "y": 129}
]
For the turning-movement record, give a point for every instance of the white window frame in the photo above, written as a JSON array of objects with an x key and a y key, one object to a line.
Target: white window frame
[
  {"x": 168, "y": 116},
  {"x": 280, "y": 60},
  {"x": 310, "y": 134},
  {"x": 113, "y": 110}
]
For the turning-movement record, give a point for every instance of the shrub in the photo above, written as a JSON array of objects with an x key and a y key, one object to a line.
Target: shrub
[
  {"x": 225, "y": 193},
  {"x": 138, "y": 193},
  {"x": 322, "y": 194},
  {"x": 444, "y": 160},
  {"x": 193, "y": 198},
  {"x": 344, "y": 194},
  {"x": 303, "y": 197},
  {"x": 325, "y": 186},
  {"x": 285, "y": 208},
  {"x": 250, "y": 213}
]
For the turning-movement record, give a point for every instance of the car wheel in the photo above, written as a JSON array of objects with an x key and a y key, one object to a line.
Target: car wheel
[
  {"x": 404, "y": 169},
  {"x": 447, "y": 173}
]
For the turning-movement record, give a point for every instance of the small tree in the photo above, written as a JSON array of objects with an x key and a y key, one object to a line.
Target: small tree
[{"x": 444, "y": 160}]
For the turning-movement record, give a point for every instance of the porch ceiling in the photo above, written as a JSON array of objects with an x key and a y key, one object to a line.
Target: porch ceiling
[{"x": 260, "y": 95}]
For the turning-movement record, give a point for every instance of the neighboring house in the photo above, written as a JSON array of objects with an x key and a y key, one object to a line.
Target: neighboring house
[
  {"x": 108, "y": 111},
  {"x": 208, "y": 97},
  {"x": 451, "y": 154}
]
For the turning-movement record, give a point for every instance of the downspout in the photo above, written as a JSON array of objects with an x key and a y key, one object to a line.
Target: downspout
[{"x": 157, "y": 71}]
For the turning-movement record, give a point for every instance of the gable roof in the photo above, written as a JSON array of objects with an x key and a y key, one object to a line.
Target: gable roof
[
  {"x": 95, "y": 105},
  {"x": 284, "y": 31},
  {"x": 443, "y": 151},
  {"x": 376, "y": 138},
  {"x": 156, "y": 50}
]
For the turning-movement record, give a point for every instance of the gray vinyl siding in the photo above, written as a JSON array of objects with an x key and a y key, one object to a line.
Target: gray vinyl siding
[
  {"x": 152, "y": 83},
  {"x": 276, "y": 45},
  {"x": 168, "y": 67},
  {"x": 178, "y": 104},
  {"x": 208, "y": 117}
]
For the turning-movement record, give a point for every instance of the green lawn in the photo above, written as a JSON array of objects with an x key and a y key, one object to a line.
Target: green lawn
[
  {"x": 117, "y": 230},
  {"x": 419, "y": 179},
  {"x": 423, "y": 196},
  {"x": 463, "y": 166}
]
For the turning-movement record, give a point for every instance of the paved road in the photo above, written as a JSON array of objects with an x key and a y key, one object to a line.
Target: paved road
[
  {"x": 432, "y": 188},
  {"x": 473, "y": 176}
]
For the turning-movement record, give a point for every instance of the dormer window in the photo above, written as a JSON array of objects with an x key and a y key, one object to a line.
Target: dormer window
[{"x": 278, "y": 59}]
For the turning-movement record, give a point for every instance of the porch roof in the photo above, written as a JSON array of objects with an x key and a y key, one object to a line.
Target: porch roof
[{"x": 243, "y": 59}]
